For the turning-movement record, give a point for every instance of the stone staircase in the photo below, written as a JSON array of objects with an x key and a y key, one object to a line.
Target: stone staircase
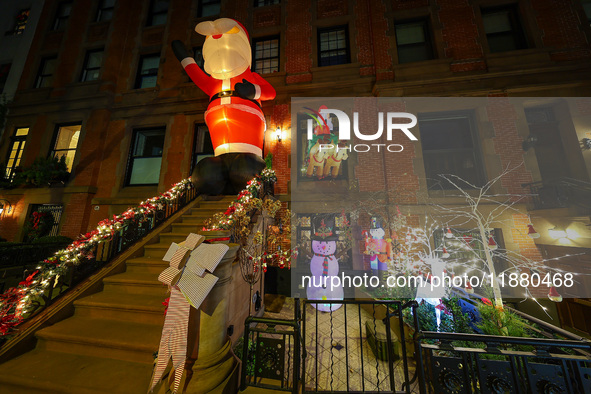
[{"x": 107, "y": 346}]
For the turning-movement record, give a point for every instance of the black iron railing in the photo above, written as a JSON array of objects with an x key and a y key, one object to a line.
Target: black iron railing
[
  {"x": 354, "y": 349},
  {"x": 96, "y": 254},
  {"x": 17, "y": 258},
  {"x": 331, "y": 351},
  {"x": 560, "y": 193},
  {"x": 271, "y": 352},
  {"x": 134, "y": 230},
  {"x": 340, "y": 351},
  {"x": 472, "y": 363}
]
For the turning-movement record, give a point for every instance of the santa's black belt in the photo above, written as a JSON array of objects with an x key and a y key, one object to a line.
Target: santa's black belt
[{"x": 232, "y": 93}]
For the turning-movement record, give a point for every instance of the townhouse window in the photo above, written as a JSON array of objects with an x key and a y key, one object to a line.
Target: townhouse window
[
  {"x": 266, "y": 55},
  {"x": 61, "y": 17},
  {"x": 4, "y": 71},
  {"x": 333, "y": 46},
  {"x": 202, "y": 146},
  {"x": 413, "y": 41},
  {"x": 450, "y": 146},
  {"x": 145, "y": 158},
  {"x": 15, "y": 153},
  {"x": 92, "y": 65},
  {"x": 587, "y": 9},
  {"x": 45, "y": 73},
  {"x": 147, "y": 74},
  {"x": 66, "y": 143},
  {"x": 158, "y": 12},
  {"x": 20, "y": 24},
  {"x": 262, "y": 3},
  {"x": 503, "y": 28},
  {"x": 209, "y": 8},
  {"x": 105, "y": 10}
]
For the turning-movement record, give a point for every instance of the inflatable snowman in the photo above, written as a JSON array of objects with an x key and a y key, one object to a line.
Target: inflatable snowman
[
  {"x": 234, "y": 116},
  {"x": 324, "y": 265}
]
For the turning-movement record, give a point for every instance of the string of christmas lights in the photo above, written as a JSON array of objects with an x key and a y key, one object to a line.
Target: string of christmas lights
[
  {"x": 18, "y": 302},
  {"x": 238, "y": 217}
]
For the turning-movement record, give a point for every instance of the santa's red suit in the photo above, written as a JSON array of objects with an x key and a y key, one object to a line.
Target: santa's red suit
[{"x": 236, "y": 123}]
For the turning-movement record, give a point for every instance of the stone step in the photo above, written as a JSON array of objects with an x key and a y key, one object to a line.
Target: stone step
[
  {"x": 229, "y": 197},
  {"x": 135, "y": 283},
  {"x": 215, "y": 205},
  {"x": 138, "y": 308},
  {"x": 197, "y": 221},
  {"x": 204, "y": 211},
  {"x": 146, "y": 265},
  {"x": 157, "y": 251},
  {"x": 53, "y": 372},
  {"x": 202, "y": 216},
  {"x": 120, "y": 340},
  {"x": 168, "y": 238},
  {"x": 186, "y": 228}
]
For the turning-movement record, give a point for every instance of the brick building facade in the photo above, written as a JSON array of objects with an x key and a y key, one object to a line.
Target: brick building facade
[{"x": 105, "y": 71}]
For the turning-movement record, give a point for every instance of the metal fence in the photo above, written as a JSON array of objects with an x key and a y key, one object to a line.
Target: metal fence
[
  {"x": 353, "y": 346},
  {"x": 16, "y": 259},
  {"x": 471, "y": 363},
  {"x": 350, "y": 348},
  {"x": 366, "y": 346},
  {"x": 271, "y": 352},
  {"x": 560, "y": 193}
]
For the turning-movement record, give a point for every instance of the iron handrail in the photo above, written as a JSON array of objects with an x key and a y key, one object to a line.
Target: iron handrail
[
  {"x": 104, "y": 251},
  {"x": 544, "y": 342}
]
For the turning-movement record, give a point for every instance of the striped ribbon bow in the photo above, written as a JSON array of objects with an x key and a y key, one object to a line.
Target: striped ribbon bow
[
  {"x": 174, "y": 339},
  {"x": 173, "y": 343}
]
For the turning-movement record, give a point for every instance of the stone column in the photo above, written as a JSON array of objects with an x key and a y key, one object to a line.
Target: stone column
[{"x": 210, "y": 363}]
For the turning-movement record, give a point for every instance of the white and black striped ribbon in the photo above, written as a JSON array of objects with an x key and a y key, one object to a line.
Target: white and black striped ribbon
[
  {"x": 196, "y": 288},
  {"x": 170, "y": 276},
  {"x": 207, "y": 256},
  {"x": 193, "y": 240},
  {"x": 188, "y": 287},
  {"x": 170, "y": 252},
  {"x": 173, "y": 343},
  {"x": 190, "y": 243},
  {"x": 178, "y": 259}
]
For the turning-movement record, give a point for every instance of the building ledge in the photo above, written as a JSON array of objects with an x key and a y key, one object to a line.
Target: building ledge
[{"x": 58, "y": 189}]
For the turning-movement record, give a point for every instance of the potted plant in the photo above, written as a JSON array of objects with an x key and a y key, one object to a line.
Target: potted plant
[{"x": 44, "y": 172}]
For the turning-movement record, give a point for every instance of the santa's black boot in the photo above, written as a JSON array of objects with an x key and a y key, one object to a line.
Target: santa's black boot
[
  {"x": 210, "y": 176},
  {"x": 243, "y": 167}
]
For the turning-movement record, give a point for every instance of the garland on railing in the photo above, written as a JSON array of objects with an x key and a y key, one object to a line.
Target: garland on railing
[
  {"x": 237, "y": 218},
  {"x": 17, "y": 301}
]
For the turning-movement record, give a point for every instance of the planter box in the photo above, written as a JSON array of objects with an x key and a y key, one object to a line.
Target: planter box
[
  {"x": 378, "y": 340},
  {"x": 221, "y": 236},
  {"x": 380, "y": 314}
]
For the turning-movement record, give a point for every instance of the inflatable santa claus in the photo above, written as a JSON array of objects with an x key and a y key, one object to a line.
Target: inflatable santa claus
[{"x": 234, "y": 116}]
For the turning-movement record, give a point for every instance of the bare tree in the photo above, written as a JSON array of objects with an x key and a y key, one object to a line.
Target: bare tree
[{"x": 482, "y": 211}]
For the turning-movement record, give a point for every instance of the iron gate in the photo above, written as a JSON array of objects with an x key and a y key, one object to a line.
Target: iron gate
[
  {"x": 55, "y": 210},
  {"x": 354, "y": 347}
]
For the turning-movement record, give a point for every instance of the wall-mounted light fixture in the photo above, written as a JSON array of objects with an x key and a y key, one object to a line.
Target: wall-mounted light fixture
[
  {"x": 278, "y": 134},
  {"x": 529, "y": 142},
  {"x": 5, "y": 206},
  {"x": 556, "y": 233}
]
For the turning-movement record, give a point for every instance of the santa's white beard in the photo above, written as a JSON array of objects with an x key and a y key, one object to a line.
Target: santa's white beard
[{"x": 226, "y": 58}]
